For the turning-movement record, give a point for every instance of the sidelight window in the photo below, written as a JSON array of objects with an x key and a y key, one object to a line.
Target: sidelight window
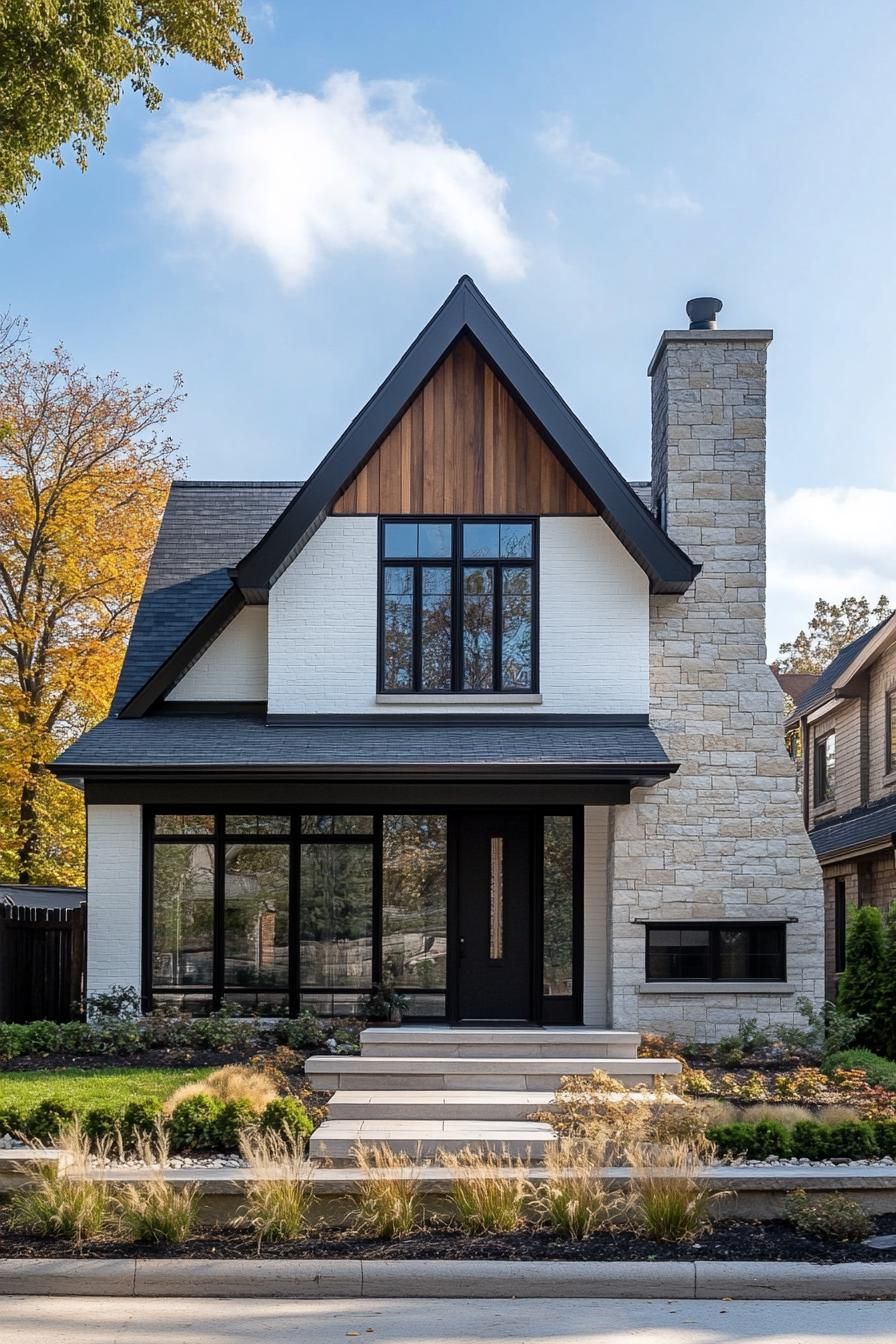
[{"x": 457, "y": 606}]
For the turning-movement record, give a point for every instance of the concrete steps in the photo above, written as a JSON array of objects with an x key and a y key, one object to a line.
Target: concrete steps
[
  {"x": 422, "y": 1090},
  {"x": 513, "y": 1043},
  {"x": 455, "y": 1104},
  {"x": 332, "y": 1073},
  {"x": 336, "y": 1141}
]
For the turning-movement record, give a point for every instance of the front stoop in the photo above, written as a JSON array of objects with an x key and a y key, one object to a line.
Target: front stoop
[{"x": 422, "y": 1090}]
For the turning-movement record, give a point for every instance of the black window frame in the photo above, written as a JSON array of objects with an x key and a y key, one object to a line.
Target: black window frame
[
  {"x": 889, "y": 725},
  {"x": 839, "y": 925},
  {"x": 714, "y": 929},
  {"x": 457, "y": 563},
  {"x": 824, "y": 780}
]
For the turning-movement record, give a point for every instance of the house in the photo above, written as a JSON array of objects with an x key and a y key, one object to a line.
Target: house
[
  {"x": 847, "y": 722},
  {"x": 468, "y": 712},
  {"x": 18, "y": 896}
]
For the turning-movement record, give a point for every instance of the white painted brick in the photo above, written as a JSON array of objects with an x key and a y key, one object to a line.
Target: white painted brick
[
  {"x": 235, "y": 666},
  {"x": 114, "y": 903}
]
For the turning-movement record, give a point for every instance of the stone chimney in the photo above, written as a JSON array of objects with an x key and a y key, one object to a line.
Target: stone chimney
[{"x": 723, "y": 839}]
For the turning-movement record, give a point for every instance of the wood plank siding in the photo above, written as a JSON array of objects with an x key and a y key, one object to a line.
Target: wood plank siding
[{"x": 463, "y": 446}]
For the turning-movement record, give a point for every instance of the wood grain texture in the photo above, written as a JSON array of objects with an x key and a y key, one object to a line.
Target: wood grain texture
[{"x": 464, "y": 445}]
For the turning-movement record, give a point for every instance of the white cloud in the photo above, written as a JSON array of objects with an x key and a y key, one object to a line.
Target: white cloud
[
  {"x": 299, "y": 177},
  {"x": 830, "y": 542},
  {"x": 558, "y": 140},
  {"x": 668, "y": 194}
]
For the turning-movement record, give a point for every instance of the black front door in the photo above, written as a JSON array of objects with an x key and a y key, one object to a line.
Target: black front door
[{"x": 494, "y": 916}]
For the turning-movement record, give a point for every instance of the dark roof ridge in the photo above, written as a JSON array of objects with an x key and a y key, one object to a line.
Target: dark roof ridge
[{"x": 190, "y": 483}]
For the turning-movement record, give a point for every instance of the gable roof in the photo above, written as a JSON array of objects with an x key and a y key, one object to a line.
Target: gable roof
[
  {"x": 206, "y": 528},
  {"x": 794, "y": 684},
  {"x": 824, "y": 686},
  {"x": 466, "y": 312}
]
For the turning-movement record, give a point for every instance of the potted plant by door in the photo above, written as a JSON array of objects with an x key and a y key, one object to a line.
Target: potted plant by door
[{"x": 384, "y": 1005}]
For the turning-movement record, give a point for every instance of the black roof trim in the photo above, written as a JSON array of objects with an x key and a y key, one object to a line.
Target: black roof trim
[
  {"x": 859, "y": 829},
  {"x": 183, "y": 657},
  {"x": 466, "y": 312}
]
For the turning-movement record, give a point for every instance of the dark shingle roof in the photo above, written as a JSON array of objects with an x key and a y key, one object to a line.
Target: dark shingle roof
[
  {"x": 858, "y": 829},
  {"x": 823, "y": 687},
  {"x": 207, "y": 528},
  {"x": 368, "y": 743},
  {"x": 41, "y": 898}
]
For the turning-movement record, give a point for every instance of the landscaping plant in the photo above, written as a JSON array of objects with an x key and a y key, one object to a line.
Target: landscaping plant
[
  {"x": 232, "y": 1083},
  {"x": 387, "y": 1203},
  {"x": 489, "y": 1190},
  {"x": 860, "y": 987},
  {"x": 574, "y": 1200},
  {"x": 830, "y": 1217},
  {"x": 73, "y": 1205},
  {"x": 878, "y": 1071},
  {"x": 154, "y": 1209},
  {"x": 669, "y": 1200},
  {"x": 279, "y": 1197}
]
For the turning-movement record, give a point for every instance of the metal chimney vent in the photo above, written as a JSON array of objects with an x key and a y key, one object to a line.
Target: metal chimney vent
[{"x": 703, "y": 313}]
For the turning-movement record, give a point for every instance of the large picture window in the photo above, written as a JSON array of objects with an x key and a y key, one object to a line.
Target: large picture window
[
  {"x": 722, "y": 951},
  {"x": 458, "y": 605}
]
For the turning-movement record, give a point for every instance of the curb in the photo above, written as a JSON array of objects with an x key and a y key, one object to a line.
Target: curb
[{"x": 788, "y": 1280}]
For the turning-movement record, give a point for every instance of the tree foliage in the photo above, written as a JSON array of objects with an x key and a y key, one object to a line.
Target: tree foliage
[
  {"x": 832, "y": 627},
  {"x": 860, "y": 989},
  {"x": 63, "y": 64},
  {"x": 83, "y": 477}
]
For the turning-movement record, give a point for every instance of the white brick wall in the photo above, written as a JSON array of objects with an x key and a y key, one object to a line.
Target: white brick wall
[
  {"x": 594, "y": 996},
  {"x": 235, "y": 666},
  {"x": 593, "y": 612},
  {"x": 114, "y": 914}
]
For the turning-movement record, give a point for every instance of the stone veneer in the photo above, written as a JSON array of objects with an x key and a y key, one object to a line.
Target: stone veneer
[{"x": 724, "y": 837}]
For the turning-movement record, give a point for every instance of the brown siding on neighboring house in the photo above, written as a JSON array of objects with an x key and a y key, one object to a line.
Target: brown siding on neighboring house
[
  {"x": 882, "y": 680},
  {"x": 845, "y": 721},
  {"x": 464, "y": 445},
  {"x": 848, "y": 871}
]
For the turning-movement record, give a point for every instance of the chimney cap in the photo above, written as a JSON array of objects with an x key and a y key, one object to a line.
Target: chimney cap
[{"x": 703, "y": 313}]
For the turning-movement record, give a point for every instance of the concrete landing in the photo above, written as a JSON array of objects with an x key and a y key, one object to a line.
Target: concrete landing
[{"x": 337, "y": 1140}]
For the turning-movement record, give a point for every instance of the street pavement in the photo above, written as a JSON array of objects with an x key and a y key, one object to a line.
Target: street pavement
[{"x": 93, "y": 1320}]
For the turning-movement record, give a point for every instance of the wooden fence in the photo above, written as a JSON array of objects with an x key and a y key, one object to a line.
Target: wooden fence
[{"x": 42, "y": 959}]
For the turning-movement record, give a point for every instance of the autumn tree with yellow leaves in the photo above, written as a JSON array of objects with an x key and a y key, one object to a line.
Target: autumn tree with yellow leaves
[{"x": 84, "y": 473}]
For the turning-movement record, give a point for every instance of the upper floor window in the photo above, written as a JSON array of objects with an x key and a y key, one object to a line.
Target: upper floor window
[
  {"x": 457, "y": 605},
  {"x": 825, "y": 757},
  {"x": 891, "y": 732}
]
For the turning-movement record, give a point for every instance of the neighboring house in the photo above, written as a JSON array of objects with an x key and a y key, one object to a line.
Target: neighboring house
[
  {"x": 467, "y": 712},
  {"x": 797, "y": 685},
  {"x": 847, "y": 722},
  {"x": 22, "y": 897}
]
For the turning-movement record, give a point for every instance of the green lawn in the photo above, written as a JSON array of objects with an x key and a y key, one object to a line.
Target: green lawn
[{"x": 84, "y": 1088}]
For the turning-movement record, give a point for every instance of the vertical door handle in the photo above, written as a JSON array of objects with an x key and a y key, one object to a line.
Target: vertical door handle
[{"x": 460, "y": 947}]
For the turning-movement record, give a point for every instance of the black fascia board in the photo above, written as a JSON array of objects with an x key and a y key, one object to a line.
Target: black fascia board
[
  {"x": 466, "y": 312},
  {"x": 640, "y": 773},
  {"x": 183, "y": 657}
]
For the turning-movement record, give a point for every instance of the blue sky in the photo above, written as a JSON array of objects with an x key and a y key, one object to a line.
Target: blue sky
[{"x": 592, "y": 165}]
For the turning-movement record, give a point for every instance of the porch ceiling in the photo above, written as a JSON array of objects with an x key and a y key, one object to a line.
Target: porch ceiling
[{"x": 386, "y": 746}]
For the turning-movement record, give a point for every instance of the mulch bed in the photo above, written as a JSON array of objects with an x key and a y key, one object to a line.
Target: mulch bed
[
  {"x": 729, "y": 1240},
  {"x": 173, "y": 1058}
]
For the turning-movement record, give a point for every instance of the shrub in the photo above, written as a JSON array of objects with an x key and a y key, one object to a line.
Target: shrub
[
  {"x": 488, "y": 1191},
  {"x": 809, "y": 1083},
  {"x": 767, "y": 1138},
  {"x": 101, "y": 1122},
  {"x": 232, "y": 1083},
  {"x": 808, "y": 1138},
  {"x": 574, "y": 1201},
  {"x": 165, "y": 1029},
  {"x": 12, "y": 1041},
  {"x": 222, "y": 1030},
  {"x": 233, "y": 1117},
  {"x": 279, "y": 1197},
  {"x": 784, "y": 1087},
  {"x": 879, "y": 1072},
  {"x": 76, "y": 1038},
  {"x": 669, "y": 1200},
  {"x": 192, "y": 1123},
  {"x": 695, "y": 1083},
  {"x": 117, "y": 1001},
  {"x": 831, "y": 1028},
  {"x": 12, "y": 1120},
  {"x": 305, "y": 1032},
  {"x": 45, "y": 1120},
  {"x": 139, "y": 1119},
  {"x": 831, "y": 1217},
  {"x": 287, "y": 1117},
  {"x": 42, "y": 1038},
  {"x": 753, "y": 1088},
  {"x": 387, "y": 1202},
  {"x": 886, "y": 1007},
  {"x": 861, "y": 984},
  {"x": 114, "y": 1036}
]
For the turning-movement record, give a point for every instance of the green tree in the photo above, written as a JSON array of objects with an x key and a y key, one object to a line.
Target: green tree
[
  {"x": 63, "y": 64},
  {"x": 861, "y": 985},
  {"x": 887, "y": 1004},
  {"x": 832, "y": 627}
]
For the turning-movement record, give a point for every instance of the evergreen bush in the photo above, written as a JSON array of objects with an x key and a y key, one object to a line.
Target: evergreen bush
[{"x": 861, "y": 985}]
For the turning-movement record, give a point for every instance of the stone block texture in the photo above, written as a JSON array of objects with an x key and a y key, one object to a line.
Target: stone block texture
[{"x": 723, "y": 838}]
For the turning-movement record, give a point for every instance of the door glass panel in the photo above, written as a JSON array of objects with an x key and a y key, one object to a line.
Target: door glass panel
[
  {"x": 435, "y": 617},
  {"x": 256, "y": 916},
  {"x": 336, "y": 905},
  {"x": 398, "y": 627},
  {"x": 479, "y": 627},
  {"x": 558, "y": 906},
  {"x": 516, "y": 630},
  {"x": 496, "y": 899},
  {"x": 415, "y": 900},
  {"x": 183, "y": 914}
]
